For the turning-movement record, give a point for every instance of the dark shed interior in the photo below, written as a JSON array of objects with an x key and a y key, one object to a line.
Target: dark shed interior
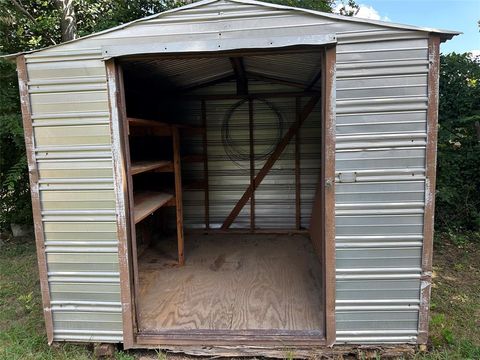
[{"x": 224, "y": 157}]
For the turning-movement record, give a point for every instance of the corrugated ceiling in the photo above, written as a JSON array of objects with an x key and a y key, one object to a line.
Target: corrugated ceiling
[{"x": 297, "y": 68}]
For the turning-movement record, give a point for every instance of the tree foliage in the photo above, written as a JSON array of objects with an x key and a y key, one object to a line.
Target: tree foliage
[
  {"x": 458, "y": 179},
  {"x": 14, "y": 190},
  {"x": 32, "y": 24}
]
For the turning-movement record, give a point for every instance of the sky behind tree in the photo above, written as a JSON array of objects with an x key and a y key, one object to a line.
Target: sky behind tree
[{"x": 460, "y": 15}]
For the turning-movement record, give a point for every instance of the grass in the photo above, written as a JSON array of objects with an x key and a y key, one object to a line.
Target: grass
[
  {"x": 454, "y": 325},
  {"x": 22, "y": 333},
  {"x": 455, "y": 303}
]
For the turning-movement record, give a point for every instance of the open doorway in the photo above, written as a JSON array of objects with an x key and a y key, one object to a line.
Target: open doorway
[{"x": 224, "y": 160}]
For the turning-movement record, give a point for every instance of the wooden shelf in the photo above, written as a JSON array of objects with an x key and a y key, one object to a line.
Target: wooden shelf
[
  {"x": 145, "y": 122},
  {"x": 146, "y": 203},
  {"x": 139, "y": 167},
  {"x": 165, "y": 126}
]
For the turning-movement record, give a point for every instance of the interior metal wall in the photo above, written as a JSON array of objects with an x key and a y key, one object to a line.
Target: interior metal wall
[
  {"x": 381, "y": 120},
  {"x": 228, "y": 180}
]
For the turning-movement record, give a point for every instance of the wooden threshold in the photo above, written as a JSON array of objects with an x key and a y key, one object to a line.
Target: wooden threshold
[
  {"x": 232, "y": 337},
  {"x": 139, "y": 167},
  {"x": 148, "y": 202}
]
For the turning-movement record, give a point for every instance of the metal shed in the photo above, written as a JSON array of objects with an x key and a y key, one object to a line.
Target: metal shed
[{"x": 280, "y": 127}]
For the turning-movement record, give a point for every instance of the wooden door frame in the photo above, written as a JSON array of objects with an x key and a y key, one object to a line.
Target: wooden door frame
[
  {"x": 327, "y": 184},
  {"x": 131, "y": 338}
]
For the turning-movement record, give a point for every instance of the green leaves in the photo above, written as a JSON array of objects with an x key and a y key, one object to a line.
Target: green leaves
[
  {"x": 14, "y": 189},
  {"x": 458, "y": 178}
]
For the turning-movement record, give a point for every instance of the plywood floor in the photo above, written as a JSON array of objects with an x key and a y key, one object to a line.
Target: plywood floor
[{"x": 231, "y": 282}]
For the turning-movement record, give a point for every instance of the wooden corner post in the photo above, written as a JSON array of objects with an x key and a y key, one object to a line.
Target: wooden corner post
[
  {"x": 322, "y": 223},
  {"x": 35, "y": 193},
  {"x": 328, "y": 171},
  {"x": 430, "y": 173},
  {"x": 120, "y": 174}
]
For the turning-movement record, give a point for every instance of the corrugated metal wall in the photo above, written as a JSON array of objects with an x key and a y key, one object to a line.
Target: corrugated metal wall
[
  {"x": 380, "y": 165},
  {"x": 228, "y": 180},
  {"x": 70, "y": 117},
  {"x": 381, "y": 125}
]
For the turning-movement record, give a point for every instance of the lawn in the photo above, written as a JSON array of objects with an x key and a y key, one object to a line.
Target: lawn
[{"x": 454, "y": 325}]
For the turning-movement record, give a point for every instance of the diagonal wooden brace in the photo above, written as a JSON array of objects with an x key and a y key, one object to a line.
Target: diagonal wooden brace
[{"x": 292, "y": 131}]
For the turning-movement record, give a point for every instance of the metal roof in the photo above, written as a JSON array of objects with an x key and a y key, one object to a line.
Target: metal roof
[
  {"x": 289, "y": 69},
  {"x": 445, "y": 34}
]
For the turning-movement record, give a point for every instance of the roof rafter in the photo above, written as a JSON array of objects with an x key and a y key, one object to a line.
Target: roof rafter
[{"x": 240, "y": 75}]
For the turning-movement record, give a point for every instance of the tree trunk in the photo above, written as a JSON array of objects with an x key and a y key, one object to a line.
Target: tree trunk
[{"x": 68, "y": 22}]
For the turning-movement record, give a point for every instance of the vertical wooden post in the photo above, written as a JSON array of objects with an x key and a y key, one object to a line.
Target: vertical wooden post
[
  {"x": 121, "y": 156},
  {"x": 298, "y": 210},
  {"x": 328, "y": 171},
  {"x": 430, "y": 174},
  {"x": 205, "y": 165},
  {"x": 322, "y": 224},
  {"x": 252, "y": 164},
  {"x": 35, "y": 194},
  {"x": 178, "y": 193}
]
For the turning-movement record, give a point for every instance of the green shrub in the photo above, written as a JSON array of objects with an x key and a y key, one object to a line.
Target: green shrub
[
  {"x": 458, "y": 178},
  {"x": 15, "y": 205}
]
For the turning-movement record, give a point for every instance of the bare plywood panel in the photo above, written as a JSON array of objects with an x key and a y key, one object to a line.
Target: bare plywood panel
[{"x": 231, "y": 282}]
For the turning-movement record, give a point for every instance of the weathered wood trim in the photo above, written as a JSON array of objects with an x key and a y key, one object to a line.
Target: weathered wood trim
[
  {"x": 396, "y": 351},
  {"x": 308, "y": 108},
  {"x": 233, "y": 337},
  {"x": 117, "y": 127},
  {"x": 322, "y": 224},
  {"x": 328, "y": 166},
  {"x": 35, "y": 194},
  {"x": 132, "y": 241},
  {"x": 430, "y": 173}
]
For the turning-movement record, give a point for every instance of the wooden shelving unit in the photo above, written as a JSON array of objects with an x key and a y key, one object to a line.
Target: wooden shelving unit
[
  {"x": 144, "y": 166},
  {"x": 146, "y": 203}
]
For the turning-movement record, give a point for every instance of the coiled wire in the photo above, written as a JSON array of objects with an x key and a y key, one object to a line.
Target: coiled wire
[{"x": 234, "y": 149}]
